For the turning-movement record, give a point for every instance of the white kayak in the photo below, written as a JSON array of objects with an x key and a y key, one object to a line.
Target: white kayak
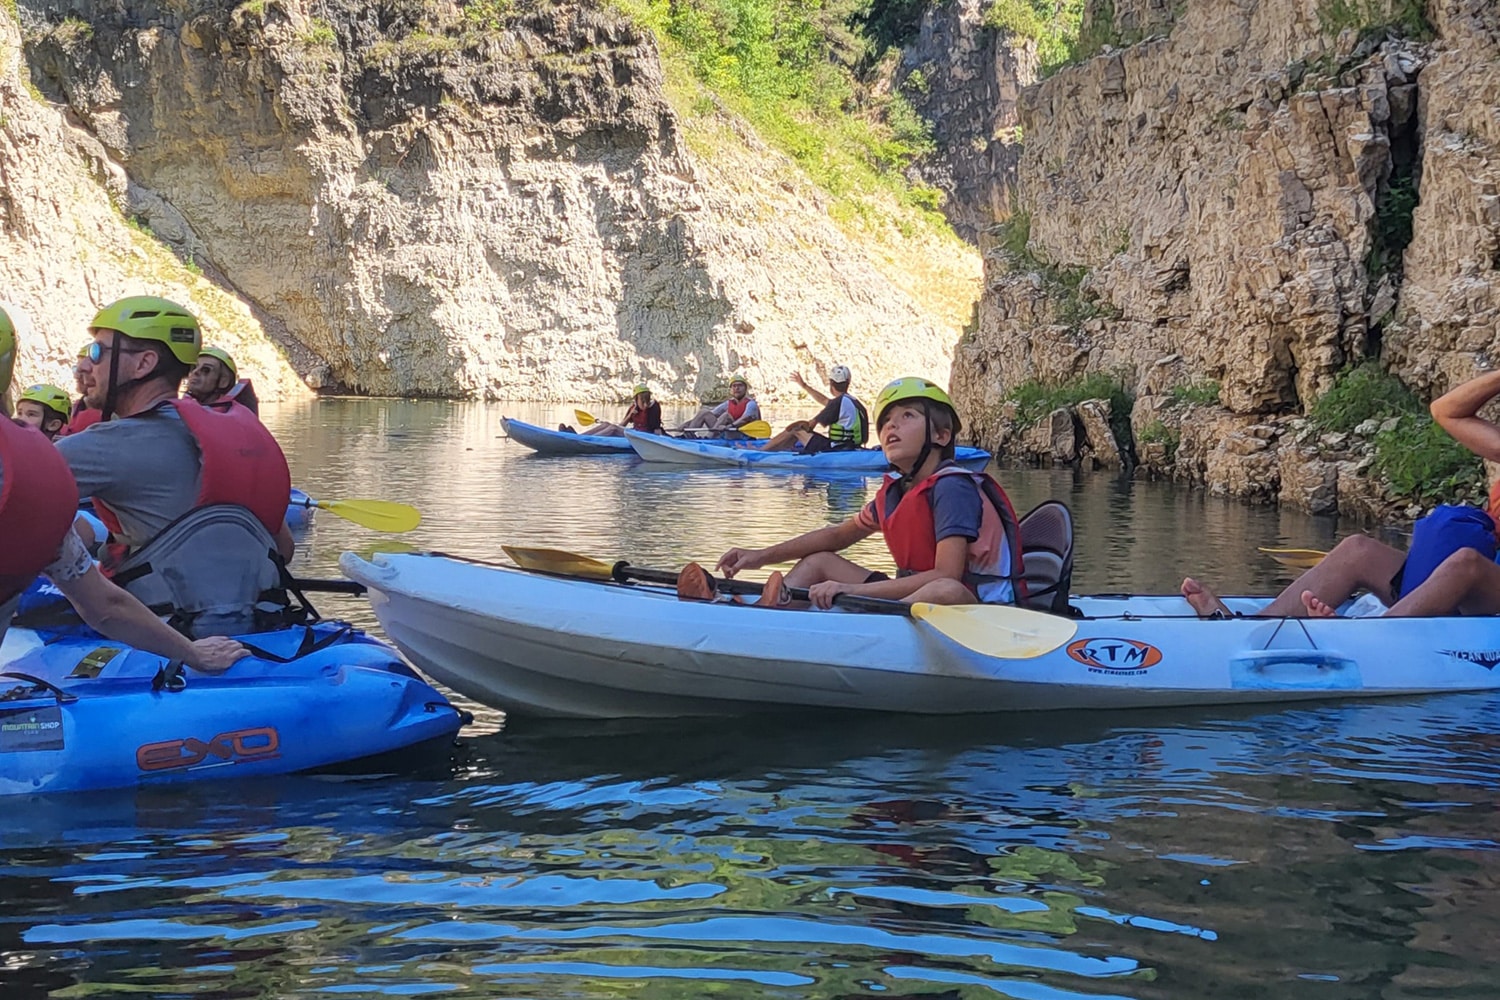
[
  {"x": 539, "y": 645},
  {"x": 681, "y": 451}
]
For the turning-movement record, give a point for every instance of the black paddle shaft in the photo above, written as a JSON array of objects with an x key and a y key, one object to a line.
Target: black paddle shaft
[{"x": 623, "y": 572}]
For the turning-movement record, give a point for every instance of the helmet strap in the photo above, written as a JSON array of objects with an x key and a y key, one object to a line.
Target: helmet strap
[
  {"x": 112, "y": 394},
  {"x": 908, "y": 478}
]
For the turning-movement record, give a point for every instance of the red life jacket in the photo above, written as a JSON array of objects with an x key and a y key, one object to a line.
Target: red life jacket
[
  {"x": 83, "y": 419},
  {"x": 241, "y": 464},
  {"x": 912, "y": 537},
  {"x": 737, "y": 407},
  {"x": 38, "y": 501},
  {"x": 647, "y": 421}
]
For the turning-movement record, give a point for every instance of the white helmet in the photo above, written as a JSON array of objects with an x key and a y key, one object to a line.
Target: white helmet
[{"x": 839, "y": 373}]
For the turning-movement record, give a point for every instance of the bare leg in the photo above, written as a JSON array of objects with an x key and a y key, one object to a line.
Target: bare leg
[
  {"x": 606, "y": 429},
  {"x": 703, "y": 418},
  {"x": 1465, "y": 582},
  {"x": 946, "y": 591},
  {"x": 821, "y": 566},
  {"x": 788, "y": 437},
  {"x": 1359, "y": 562}
]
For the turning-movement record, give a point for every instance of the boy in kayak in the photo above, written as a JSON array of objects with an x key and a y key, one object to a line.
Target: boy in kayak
[
  {"x": 1464, "y": 582},
  {"x": 736, "y": 411},
  {"x": 45, "y": 407},
  {"x": 215, "y": 380},
  {"x": 845, "y": 417},
  {"x": 951, "y": 532},
  {"x": 37, "y": 501},
  {"x": 644, "y": 415}
]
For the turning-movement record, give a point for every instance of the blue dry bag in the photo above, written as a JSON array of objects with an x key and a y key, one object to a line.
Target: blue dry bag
[{"x": 1442, "y": 533}]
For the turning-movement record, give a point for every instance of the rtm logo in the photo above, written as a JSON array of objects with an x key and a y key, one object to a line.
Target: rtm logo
[
  {"x": 242, "y": 744},
  {"x": 1115, "y": 655}
]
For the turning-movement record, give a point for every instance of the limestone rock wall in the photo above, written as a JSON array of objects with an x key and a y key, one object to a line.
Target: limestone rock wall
[
  {"x": 65, "y": 250},
  {"x": 1213, "y": 202},
  {"x": 431, "y": 207}
]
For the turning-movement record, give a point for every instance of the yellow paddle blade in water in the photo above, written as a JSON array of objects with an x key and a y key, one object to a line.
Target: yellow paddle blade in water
[
  {"x": 379, "y": 515},
  {"x": 997, "y": 630},
  {"x": 584, "y": 418},
  {"x": 1296, "y": 558},
  {"x": 559, "y": 562}
]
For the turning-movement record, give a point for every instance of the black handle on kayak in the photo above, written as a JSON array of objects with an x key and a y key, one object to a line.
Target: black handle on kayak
[
  {"x": 624, "y": 573},
  {"x": 331, "y": 586},
  {"x": 63, "y": 697}
]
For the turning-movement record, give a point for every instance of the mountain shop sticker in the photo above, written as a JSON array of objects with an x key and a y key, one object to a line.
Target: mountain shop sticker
[
  {"x": 1486, "y": 658},
  {"x": 30, "y": 728},
  {"x": 1104, "y": 655}
]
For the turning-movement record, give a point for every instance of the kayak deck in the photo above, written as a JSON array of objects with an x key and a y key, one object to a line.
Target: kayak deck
[
  {"x": 653, "y": 448},
  {"x": 542, "y": 645}
]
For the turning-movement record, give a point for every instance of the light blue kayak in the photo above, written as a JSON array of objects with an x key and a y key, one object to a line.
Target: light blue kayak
[
  {"x": 550, "y": 442},
  {"x": 653, "y": 448},
  {"x": 79, "y": 712}
]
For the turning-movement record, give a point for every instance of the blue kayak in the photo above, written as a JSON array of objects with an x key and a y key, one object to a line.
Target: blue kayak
[
  {"x": 80, "y": 712},
  {"x": 299, "y": 512},
  {"x": 654, "y": 448},
  {"x": 549, "y": 442}
]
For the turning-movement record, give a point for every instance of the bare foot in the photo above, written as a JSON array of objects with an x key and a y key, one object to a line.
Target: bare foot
[
  {"x": 1316, "y": 607},
  {"x": 1203, "y": 600}
]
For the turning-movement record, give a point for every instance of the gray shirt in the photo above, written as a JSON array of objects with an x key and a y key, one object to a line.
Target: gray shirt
[{"x": 147, "y": 468}]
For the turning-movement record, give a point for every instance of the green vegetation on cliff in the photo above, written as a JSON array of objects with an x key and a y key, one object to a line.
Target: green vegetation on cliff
[{"x": 792, "y": 70}]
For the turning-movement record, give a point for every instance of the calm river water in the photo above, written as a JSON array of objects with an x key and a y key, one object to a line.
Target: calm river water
[{"x": 1320, "y": 852}]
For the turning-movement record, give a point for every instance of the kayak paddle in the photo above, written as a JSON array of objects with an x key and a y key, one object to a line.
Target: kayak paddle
[
  {"x": 1296, "y": 558},
  {"x": 584, "y": 418},
  {"x": 998, "y": 630},
  {"x": 381, "y": 515}
]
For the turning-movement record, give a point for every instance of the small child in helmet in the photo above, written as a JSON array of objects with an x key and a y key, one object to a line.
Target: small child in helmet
[
  {"x": 45, "y": 407},
  {"x": 952, "y": 533}
]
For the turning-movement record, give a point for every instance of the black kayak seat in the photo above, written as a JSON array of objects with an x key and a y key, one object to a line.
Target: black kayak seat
[{"x": 1047, "y": 556}]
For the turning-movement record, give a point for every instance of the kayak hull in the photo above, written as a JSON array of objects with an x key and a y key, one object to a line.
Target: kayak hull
[
  {"x": 653, "y": 448},
  {"x": 103, "y": 724},
  {"x": 550, "y": 442},
  {"x": 548, "y": 646}
]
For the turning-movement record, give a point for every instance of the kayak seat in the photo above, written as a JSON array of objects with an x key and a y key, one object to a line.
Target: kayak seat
[{"x": 1047, "y": 556}]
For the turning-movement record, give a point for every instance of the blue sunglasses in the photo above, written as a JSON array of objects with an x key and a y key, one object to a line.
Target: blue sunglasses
[{"x": 96, "y": 352}]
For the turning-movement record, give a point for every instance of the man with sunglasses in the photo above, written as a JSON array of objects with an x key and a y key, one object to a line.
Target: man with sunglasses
[
  {"x": 215, "y": 381},
  {"x": 194, "y": 497},
  {"x": 37, "y": 501}
]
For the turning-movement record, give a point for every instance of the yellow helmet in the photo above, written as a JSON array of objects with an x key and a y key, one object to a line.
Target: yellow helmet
[
  {"x": 7, "y": 350},
  {"x": 739, "y": 380},
  {"x": 55, "y": 399},
  {"x": 83, "y": 352},
  {"x": 911, "y": 387},
  {"x": 222, "y": 356},
  {"x": 147, "y": 317}
]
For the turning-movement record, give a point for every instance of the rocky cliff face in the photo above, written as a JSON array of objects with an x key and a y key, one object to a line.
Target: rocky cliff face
[
  {"x": 65, "y": 249},
  {"x": 435, "y": 203},
  {"x": 1229, "y": 199}
]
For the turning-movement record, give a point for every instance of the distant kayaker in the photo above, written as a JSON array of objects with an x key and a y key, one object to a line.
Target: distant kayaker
[
  {"x": 736, "y": 411},
  {"x": 1450, "y": 568},
  {"x": 845, "y": 417},
  {"x": 644, "y": 415},
  {"x": 45, "y": 407},
  {"x": 215, "y": 380},
  {"x": 36, "y": 537},
  {"x": 194, "y": 497},
  {"x": 952, "y": 533}
]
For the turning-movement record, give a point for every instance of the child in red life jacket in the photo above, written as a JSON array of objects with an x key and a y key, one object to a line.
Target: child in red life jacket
[{"x": 951, "y": 532}]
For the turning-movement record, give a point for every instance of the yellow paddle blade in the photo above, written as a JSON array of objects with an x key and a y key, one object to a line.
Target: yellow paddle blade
[
  {"x": 1296, "y": 558},
  {"x": 584, "y": 418},
  {"x": 559, "y": 562},
  {"x": 391, "y": 546},
  {"x": 756, "y": 429},
  {"x": 380, "y": 515},
  {"x": 997, "y": 629}
]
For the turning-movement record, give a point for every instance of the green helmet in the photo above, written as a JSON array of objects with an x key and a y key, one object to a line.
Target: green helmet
[
  {"x": 640, "y": 388},
  {"x": 147, "y": 317},
  {"x": 222, "y": 356},
  {"x": 739, "y": 380},
  {"x": 911, "y": 387},
  {"x": 55, "y": 399},
  {"x": 7, "y": 350}
]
